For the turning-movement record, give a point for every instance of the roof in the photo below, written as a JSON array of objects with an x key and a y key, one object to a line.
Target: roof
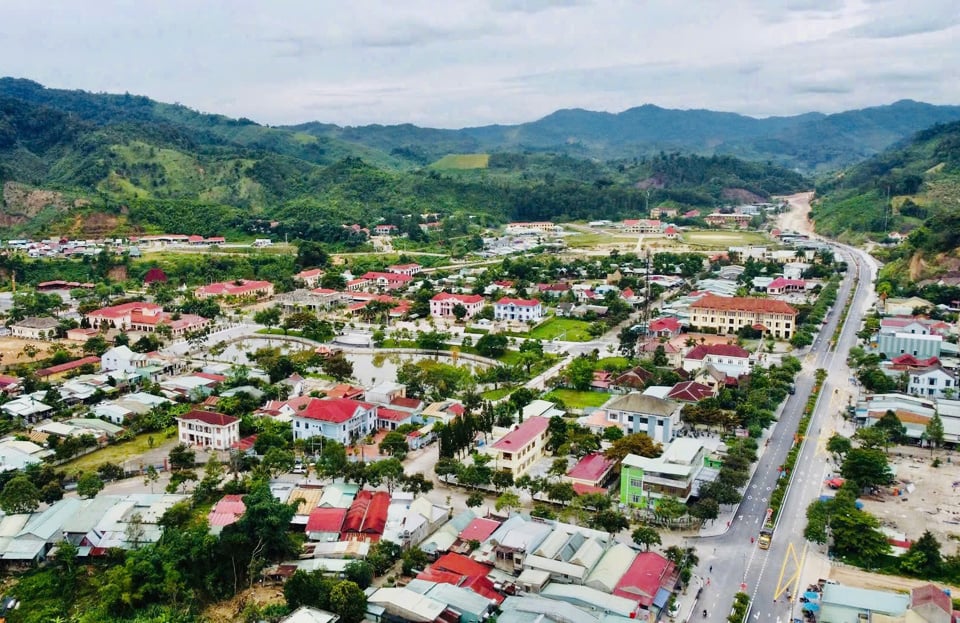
[
  {"x": 403, "y": 266},
  {"x": 479, "y": 529},
  {"x": 590, "y": 598},
  {"x": 231, "y": 288},
  {"x": 931, "y": 594},
  {"x": 385, "y": 413},
  {"x": 523, "y": 434},
  {"x": 463, "y": 298},
  {"x": 70, "y": 365},
  {"x": 878, "y": 602},
  {"x": 463, "y": 565},
  {"x": 690, "y": 391},
  {"x": 326, "y": 519},
  {"x": 611, "y": 567},
  {"x": 334, "y": 410},
  {"x": 649, "y": 572},
  {"x": 386, "y": 276},
  {"x": 782, "y": 282},
  {"x": 367, "y": 514},
  {"x": 209, "y": 417},
  {"x": 408, "y": 403},
  {"x": 743, "y": 303},
  {"x": 718, "y": 350},
  {"x": 37, "y": 322},
  {"x": 518, "y": 302},
  {"x": 665, "y": 324},
  {"x": 591, "y": 467},
  {"x": 636, "y": 402},
  {"x": 227, "y": 510},
  {"x": 117, "y": 311},
  {"x": 907, "y": 359},
  {"x": 306, "y": 614}
]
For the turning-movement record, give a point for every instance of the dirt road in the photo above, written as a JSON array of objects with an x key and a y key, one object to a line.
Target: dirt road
[
  {"x": 797, "y": 218},
  {"x": 849, "y": 576}
]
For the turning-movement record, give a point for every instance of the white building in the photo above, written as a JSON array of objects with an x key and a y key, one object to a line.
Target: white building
[
  {"x": 122, "y": 359},
  {"x": 518, "y": 310},
  {"x": 340, "y": 419},
  {"x": 208, "y": 429},
  {"x": 637, "y": 413},
  {"x": 35, "y": 328},
  {"x": 730, "y": 359},
  {"x": 933, "y": 381},
  {"x": 441, "y": 305}
]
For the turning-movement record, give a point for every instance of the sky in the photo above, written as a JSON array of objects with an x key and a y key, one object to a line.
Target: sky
[{"x": 456, "y": 63}]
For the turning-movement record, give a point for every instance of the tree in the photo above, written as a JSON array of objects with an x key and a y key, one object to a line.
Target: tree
[
  {"x": 307, "y": 589},
  {"x": 348, "y": 601},
  {"x": 646, "y": 536},
  {"x": 388, "y": 472},
  {"x": 337, "y": 366},
  {"x": 580, "y": 373},
  {"x": 857, "y": 534},
  {"x": 395, "y": 444},
  {"x": 705, "y": 509},
  {"x": 838, "y": 445},
  {"x": 609, "y": 521},
  {"x": 612, "y": 433},
  {"x": 660, "y": 356},
  {"x": 414, "y": 559},
  {"x": 269, "y": 317},
  {"x": 923, "y": 559},
  {"x": 492, "y": 345},
  {"x": 867, "y": 467},
  {"x": 359, "y": 572},
  {"x": 501, "y": 479},
  {"x": 182, "y": 457},
  {"x": 637, "y": 443},
  {"x": 432, "y": 340},
  {"x": 871, "y": 437},
  {"x": 934, "y": 431},
  {"x": 560, "y": 492},
  {"x": 51, "y": 492},
  {"x": 416, "y": 484},
  {"x": 333, "y": 459},
  {"x": 459, "y": 312},
  {"x": 475, "y": 499},
  {"x": 89, "y": 485},
  {"x": 278, "y": 461},
  {"x": 19, "y": 495},
  {"x": 508, "y": 501},
  {"x": 894, "y": 428}
]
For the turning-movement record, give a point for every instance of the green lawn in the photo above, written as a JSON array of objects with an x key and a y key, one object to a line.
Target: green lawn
[
  {"x": 496, "y": 394},
  {"x": 613, "y": 363},
  {"x": 723, "y": 238},
  {"x": 567, "y": 329},
  {"x": 576, "y": 399},
  {"x": 118, "y": 453},
  {"x": 462, "y": 161}
]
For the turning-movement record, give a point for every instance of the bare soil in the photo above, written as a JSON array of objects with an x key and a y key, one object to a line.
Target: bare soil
[
  {"x": 11, "y": 350},
  {"x": 850, "y": 576},
  {"x": 231, "y": 610},
  {"x": 798, "y": 217}
]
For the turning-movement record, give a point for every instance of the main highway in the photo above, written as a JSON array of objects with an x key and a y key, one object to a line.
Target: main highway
[{"x": 732, "y": 561}]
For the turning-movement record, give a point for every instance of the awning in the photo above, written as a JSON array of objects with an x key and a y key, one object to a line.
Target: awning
[{"x": 811, "y": 607}]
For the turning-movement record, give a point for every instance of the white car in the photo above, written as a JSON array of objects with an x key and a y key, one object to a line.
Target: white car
[{"x": 673, "y": 610}]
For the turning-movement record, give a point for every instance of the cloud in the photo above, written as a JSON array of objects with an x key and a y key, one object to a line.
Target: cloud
[
  {"x": 915, "y": 24},
  {"x": 534, "y": 6}
]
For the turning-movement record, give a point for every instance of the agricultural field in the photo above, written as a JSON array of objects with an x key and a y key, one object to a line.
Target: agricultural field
[
  {"x": 567, "y": 329},
  {"x": 462, "y": 161},
  {"x": 723, "y": 238}
]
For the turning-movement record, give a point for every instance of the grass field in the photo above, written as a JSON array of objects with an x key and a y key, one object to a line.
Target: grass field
[
  {"x": 496, "y": 394},
  {"x": 462, "y": 161},
  {"x": 118, "y": 453},
  {"x": 567, "y": 329},
  {"x": 576, "y": 399},
  {"x": 721, "y": 239},
  {"x": 587, "y": 241}
]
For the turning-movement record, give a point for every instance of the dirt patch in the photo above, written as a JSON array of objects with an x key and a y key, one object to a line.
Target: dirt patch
[
  {"x": 230, "y": 610},
  {"x": 11, "y": 350},
  {"x": 797, "y": 218},
  {"x": 917, "y": 266},
  {"x": 850, "y": 576},
  {"x": 741, "y": 195},
  {"x": 22, "y": 203}
]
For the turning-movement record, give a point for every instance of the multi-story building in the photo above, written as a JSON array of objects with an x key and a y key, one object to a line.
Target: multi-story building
[
  {"x": 518, "y": 310},
  {"x": 341, "y": 419},
  {"x": 933, "y": 381},
  {"x": 441, "y": 305},
  {"x": 140, "y": 316},
  {"x": 241, "y": 288},
  {"x": 672, "y": 474},
  {"x": 642, "y": 226},
  {"x": 208, "y": 429},
  {"x": 728, "y": 358},
  {"x": 405, "y": 269},
  {"x": 387, "y": 281},
  {"x": 637, "y": 413},
  {"x": 730, "y": 314},
  {"x": 35, "y": 328},
  {"x": 920, "y": 345},
  {"x": 516, "y": 451},
  {"x": 310, "y": 277},
  {"x": 543, "y": 227}
]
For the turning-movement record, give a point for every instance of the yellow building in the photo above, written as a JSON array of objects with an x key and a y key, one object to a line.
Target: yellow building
[
  {"x": 730, "y": 314},
  {"x": 516, "y": 451}
]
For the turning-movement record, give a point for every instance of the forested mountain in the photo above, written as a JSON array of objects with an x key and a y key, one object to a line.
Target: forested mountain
[
  {"x": 80, "y": 163},
  {"x": 911, "y": 189},
  {"x": 811, "y": 142}
]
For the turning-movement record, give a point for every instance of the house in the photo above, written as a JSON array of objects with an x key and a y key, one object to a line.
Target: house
[
  {"x": 664, "y": 211},
  {"x": 649, "y": 348},
  {"x": 636, "y": 413},
  {"x": 920, "y": 345},
  {"x": 516, "y": 451},
  {"x": 385, "y": 230},
  {"x": 642, "y": 226},
  {"x": 719, "y": 219},
  {"x": 543, "y": 227},
  {"x": 672, "y": 474},
  {"x": 637, "y": 378},
  {"x": 241, "y": 288},
  {"x": 518, "y": 310},
  {"x": 405, "y": 269},
  {"x": 140, "y": 316},
  {"x": 730, "y": 314},
  {"x": 442, "y": 304},
  {"x": 308, "y": 614},
  {"x": 782, "y": 285},
  {"x": 728, "y": 358},
  {"x": 903, "y": 306},
  {"x": 593, "y": 470},
  {"x": 122, "y": 359},
  {"x": 690, "y": 391},
  {"x": 325, "y": 523},
  {"x": 340, "y": 419},
  {"x": 367, "y": 517},
  {"x": 79, "y": 334},
  {"x": 61, "y": 370},
  {"x": 208, "y": 429},
  {"x": 315, "y": 300},
  {"x": 310, "y": 277},
  {"x": 387, "y": 281},
  {"x": 846, "y": 604},
  {"x": 10, "y": 385},
  {"x": 934, "y": 380},
  {"x": 35, "y": 328},
  {"x": 225, "y": 512},
  {"x": 553, "y": 290},
  {"x": 649, "y": 581},
  {"x": 932, "y": 604},
  {"x": 668, "y": 327}
]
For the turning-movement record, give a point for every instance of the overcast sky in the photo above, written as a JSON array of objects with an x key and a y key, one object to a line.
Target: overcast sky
[{"x": 453, "y": 63}]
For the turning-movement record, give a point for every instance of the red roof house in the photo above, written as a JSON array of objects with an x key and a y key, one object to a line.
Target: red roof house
[
  {"x": 648, "y": 574},
  {"x": 63, "y": 368},
  {"x": 690, "y": 391},
  {"x": 479, "y": 529},
  {"x": 592, "y": 470},
  {"x": 664, "y": 327},
  {"x": 367, "y": 517},
  {"x": 325, "y": 521},
  {"x": 227, "y": 511}
]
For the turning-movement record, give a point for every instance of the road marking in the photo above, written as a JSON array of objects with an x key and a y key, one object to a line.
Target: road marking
[{"x": 794, "y": 578}]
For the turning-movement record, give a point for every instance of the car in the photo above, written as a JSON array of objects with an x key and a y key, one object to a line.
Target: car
[
  {"x": 673, "y": 609},
  {"x": 299, "y": 468},
  {"x": 792, "y": 389}
]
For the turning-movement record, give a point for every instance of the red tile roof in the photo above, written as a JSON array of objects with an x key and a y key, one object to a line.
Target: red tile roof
[
  {"x": 344, "y": 390},
  {"x": 393, "y": 415},
  {"x": 649, "y": 572},
  {"x": 458, "y": 563},
  {"x": 227, "y": 511},
  {"x": 690, "y": 391},
  {"x": 909, "y": 360},
  {"x": 931, "y": 594},
  {"x": 469, "y": 299},
  {"x": 310, "y": 272},
  {"x": 591, "y": 467},
  {"x": 782, "y": 282},
  {"x": 335, "y": 410},
  {"x": 209, "y": 417},
  {"x": 523, "y": 434},
  {"x": 479, "y": 529},
  {"x": 665, "y": 324},
  {"x": 367, "y": 514},
  {"x": 395, "y": 277},
  {"x": 743, "y": 303},
  {"x": 717, "y": 350},
  {"x": 230, "y": 288},
  {"x": 326, "y": 519},
  {"x": 581, "y": 489},
  {"x": 406, "y": 403},
  {"x": 125, "y": 309},
  {"x": 518, "y": 302},
  {"x": 66, "y": 367}
]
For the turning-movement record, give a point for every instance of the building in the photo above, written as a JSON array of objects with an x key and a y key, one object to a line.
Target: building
[
  {"x": 140, "y": 316},
  {"x": 307, "y": 614},
  {"x": 920, "y": 345},
  {"x": 518, "y": 310},
  {"x": 691, "y": 391},
  {"x": 208, "y": 429},
  {"x": 241, "y": 288},
  {"x": 366, "y": 518},
  {"x": 649, "y": 581},
  {"x": 387, "y": 281},
  {"x": 341, "y": 419},
  {"x": 405, "y": 269},
  {"x": 441, "y": 305},
  {"x": 64, "y": 369},
  {"x": 846, "y": 604},
  {"x": 122, "y": 359},
  {"x": 934, "y": 381},
  {"x": 310, "y": 277},
  {"x": 672, "y": 474},
  {"x": 543, "y": 227},
  {"x": 719, "y": 219},
  {"x": 668, "y": 327},
  {"x": 385, "y": 230},
  {"x": 316, "y": 300},
  {"x": 782, "y": 285},
  {"x": 35, "y": 328},
  {"x": 730, "y": 359},
  {"x": 730, "y": 314},
  {"x": 642, "y": 226},
  {"x": 903, "y": 306},
  {"x": 593, "y": 470},
  {"x": 636, "y": 413},
  {"x": 516, "y": 451}
]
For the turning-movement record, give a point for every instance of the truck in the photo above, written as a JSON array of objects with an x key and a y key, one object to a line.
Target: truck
[{"x": 766, "y": 535}]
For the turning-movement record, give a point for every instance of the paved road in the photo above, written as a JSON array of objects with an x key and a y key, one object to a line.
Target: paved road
[{"x": 735, "y": 560}]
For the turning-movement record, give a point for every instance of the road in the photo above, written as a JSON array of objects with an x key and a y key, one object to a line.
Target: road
[{"x": 737, "y": 562}]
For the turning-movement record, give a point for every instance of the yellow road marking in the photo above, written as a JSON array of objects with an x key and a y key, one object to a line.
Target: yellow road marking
[{"x": 794, "y": 577}]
